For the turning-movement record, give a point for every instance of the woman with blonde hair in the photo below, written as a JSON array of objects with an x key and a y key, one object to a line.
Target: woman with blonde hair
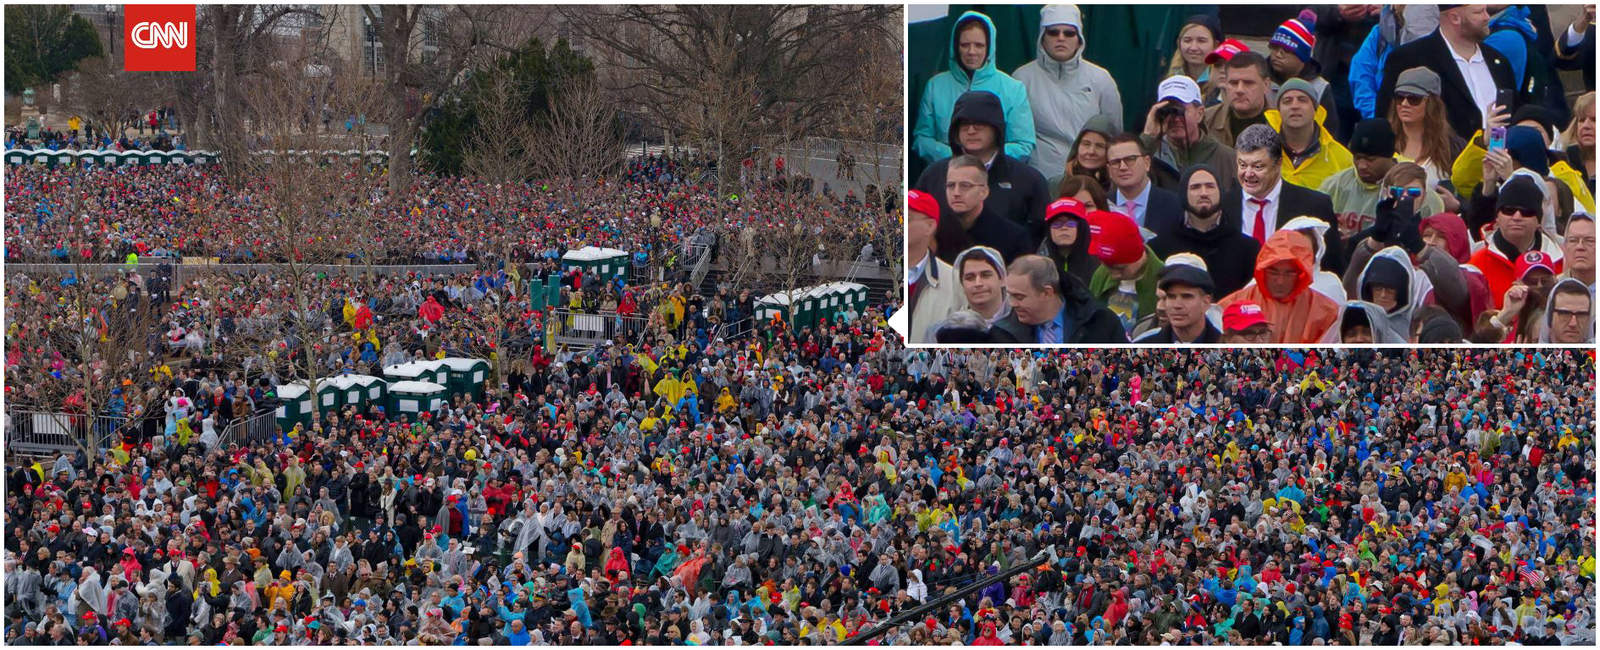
[
  {"x": 1197, "y": 39},
  {"x": 1579, "y": 137}
]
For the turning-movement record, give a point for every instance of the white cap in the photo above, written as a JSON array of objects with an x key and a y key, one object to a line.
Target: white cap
[{"x": 1180, "y": 88}]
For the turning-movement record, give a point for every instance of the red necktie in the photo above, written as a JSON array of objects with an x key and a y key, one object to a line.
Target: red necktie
[{"x": 1261, "y": 220}]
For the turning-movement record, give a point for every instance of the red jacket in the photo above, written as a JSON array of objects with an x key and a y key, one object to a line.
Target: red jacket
[{"x": 1498, "y": 269}]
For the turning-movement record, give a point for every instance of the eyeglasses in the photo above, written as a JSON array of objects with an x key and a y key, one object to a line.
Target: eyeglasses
[
  {"x": 963, "y": 186},
  {"x": 1125, "y": 161},
  {"x": 1062, "y": 222},
  {"x": 1519, "y": 212},
  {"x": 1058, "y": 32},
  {"x": 1412, "y": 100},
  {"x": 1568, "y": 314}
]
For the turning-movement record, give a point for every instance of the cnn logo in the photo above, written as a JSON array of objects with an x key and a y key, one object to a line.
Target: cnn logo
[
  {"x": 153, "y": 35},
  {"x": 159, "y": 38}
]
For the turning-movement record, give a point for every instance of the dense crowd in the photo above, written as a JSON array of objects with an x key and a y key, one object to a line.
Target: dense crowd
[
  {"x": 804, "y": 487},
  {"x": 109, "y": 214},
  {"x": 1374, "y": 174}
]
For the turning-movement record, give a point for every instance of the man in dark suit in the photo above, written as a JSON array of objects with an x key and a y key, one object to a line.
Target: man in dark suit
[
  {"x": 1051, "y": 307},
  {"x": 1472, "y": 72},
  {"x": 1262, "y": 202},
  {"x": 1017, "y": 192},
  {"x": 1133, "y": 192}
]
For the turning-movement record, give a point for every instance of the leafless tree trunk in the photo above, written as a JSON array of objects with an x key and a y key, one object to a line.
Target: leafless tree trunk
[
  {"x": 503, "y": 146},
  {"x": 579, "y": 139}
]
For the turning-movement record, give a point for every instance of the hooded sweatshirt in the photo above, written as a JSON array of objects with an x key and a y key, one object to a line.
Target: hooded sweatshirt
[
  {"x": 1588, "y": 325},
  {"x": 1392, "y": 267},
  {"x": 1374, "y": 318},
  {"x": 1065, "y": 94},
  {"x": 1304, "y": 315},
  {"x": 1075, "y": 260},
  {"x": 939, "y": 100},
  {"x": 1459, "y": 246},
  {"x": 1017, "y": 193},
  {"x": 1229, "y": 254}
]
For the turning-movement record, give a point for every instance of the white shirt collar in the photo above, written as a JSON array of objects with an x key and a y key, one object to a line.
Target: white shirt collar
[
  {"x": 919, "y": 269},
  {"x": 1271, "y": 198},
  {"x": 1477, "y": 56}
]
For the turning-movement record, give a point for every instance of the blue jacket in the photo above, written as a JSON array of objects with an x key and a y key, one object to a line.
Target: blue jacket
[
  {"x": 1509, "y": 35},
  {"x": 929, "y": 139},
  {"x": 1366, "y": 72}
]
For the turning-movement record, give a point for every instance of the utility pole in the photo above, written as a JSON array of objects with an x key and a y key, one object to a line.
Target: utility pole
[{"x": 1034, "y": 563}]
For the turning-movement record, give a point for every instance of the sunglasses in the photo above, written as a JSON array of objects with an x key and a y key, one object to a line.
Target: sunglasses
[
  {"x": 1405, "y": 192},
  {"x": 1064, "y": 222},
  {"x": 1412, "y": 100},
  {"x": 1058, "y": 32},
  {"x": 1519, "y": 212}
]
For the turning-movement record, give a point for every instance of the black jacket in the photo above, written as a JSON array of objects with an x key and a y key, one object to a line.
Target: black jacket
[
  {"x": 1164, "y": 335},
  {"x": 1295, "y": 201},
  {"x": 1164, "y": 212},
  {"x": 1087, "y": 321},
  {"x": 1433, "y": 53},
  {"x": 988, "y": 230},
  {"x": 1229, "y": 254},
  {"x": 1017, "y": 192},
  {"x": 1077, "y": 260}
]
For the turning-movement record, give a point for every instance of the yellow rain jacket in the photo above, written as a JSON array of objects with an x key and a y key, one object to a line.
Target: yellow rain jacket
[{"x": 1331, "y": 157}]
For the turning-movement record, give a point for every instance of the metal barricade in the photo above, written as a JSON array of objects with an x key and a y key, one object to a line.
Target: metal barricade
[
  {"x": 42, "y": 432},
  {"x": 578, "y": 330},
  {"x": 260, "y": 427}
]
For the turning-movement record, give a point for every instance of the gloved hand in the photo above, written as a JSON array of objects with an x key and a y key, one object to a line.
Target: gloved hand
[
  {"x": 1383, "y": 229},
  {"x": 1406, "y": 226}
]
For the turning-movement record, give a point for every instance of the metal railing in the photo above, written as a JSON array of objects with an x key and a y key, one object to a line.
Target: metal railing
[
  {"x": 259, "y": 427},
  {"x": 734, "y": 330},
  {"x": 701, "y": 254},
  {"x": 42, "y": 432},
  {"x": 579, "y": 330}
]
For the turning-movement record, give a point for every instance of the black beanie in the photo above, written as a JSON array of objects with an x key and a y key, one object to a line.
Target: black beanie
[
  {"x": 1521, "y": 192},
  {"x": 1440, "y": 329},
  {"x": 1373, "y": 138},
  {"x": 1386, "y": 272},
  {"x": 1209, "y": 22}
]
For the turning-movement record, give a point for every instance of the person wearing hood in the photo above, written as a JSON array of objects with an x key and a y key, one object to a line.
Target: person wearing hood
[
  {"x": 1325, "y": 282},
  {"x": 1263, "y": 201},
  {"x": 1229, "y": 255},
  {"x": 1569, "y": 315},
  {"x": 1088, "y": 156},
  {"x": 1282, "y": 288},
  {"x": 1065, "y": 91},
  {"x": 983, "y": 276},
  {"x": 1291, "y": 58},
  {"x": 1067, "y": 240},
  {"x": 1364, "y": 323},
  {"x": 1177, "y": 136},
  {"x": 932, "y": 289},
  {"x": 1512, "y": 33},
  {"x": 1397, "y": 233},
  {"x": 1518, "y": 207},
  {"x": 1310, "y": 154},
  {"x": 1446, "y": 233},
  {"x": 1397, "y": 25},
  {"x": 1016, "y": 192},
  {"x": 968, "y": 218},
  {"x": 1051, "y": 307},
  {"x": 972, "y": 47},
  {"x": 1186, "y": 292},
  {"x": 1126, "y": 283},
  {"x": 1390, "y": 281}
]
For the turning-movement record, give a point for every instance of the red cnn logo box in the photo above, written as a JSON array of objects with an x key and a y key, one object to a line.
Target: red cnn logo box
[{"x": 158, "y": 38}]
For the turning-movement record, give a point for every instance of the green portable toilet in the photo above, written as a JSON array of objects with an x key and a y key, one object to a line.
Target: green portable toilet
[
  {"x": 608, "y": 263},
  {"x": 330, "y": 394},
  {"x": 87, "y": 158},
  {"x": 466, "y": 376},
  {"x": 355, "y": 390},
  {"x": 63, "y": 158},
  {"x": 16, "y": 157},
  {"x": 408, "y": 399},
  {"x": 294, "y": 406},
  {"x": 128, "y": 158},
  {"x": 426, "y": 370},
  {"x": 180, "y": 158},
  {"x": 108, "y": 157},
  {"x": 153, "y": 157},
  {"x": 205, "y": 157}
]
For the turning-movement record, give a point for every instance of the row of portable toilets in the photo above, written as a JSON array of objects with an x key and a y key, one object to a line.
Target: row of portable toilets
[{"x": 405, "y": 391}]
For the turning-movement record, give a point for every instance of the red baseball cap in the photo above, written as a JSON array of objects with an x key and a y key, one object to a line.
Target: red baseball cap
[
  {"x": 1225, "y": 51},
  {"x": 1241, "y": 316},
  {"x": 1534, "y": 260},
  {"x": 924, "y": 203},
  {"x": 1114, "y": 237},
  {"x": 1065, "y": 208}
]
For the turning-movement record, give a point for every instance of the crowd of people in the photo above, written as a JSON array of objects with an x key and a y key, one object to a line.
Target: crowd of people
[
  {"x": 805, "y": 487},
  {"x": 1374, "y": 174}
]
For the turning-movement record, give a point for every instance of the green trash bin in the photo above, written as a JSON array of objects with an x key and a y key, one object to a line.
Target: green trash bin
[{"x": 409, "y": 399}]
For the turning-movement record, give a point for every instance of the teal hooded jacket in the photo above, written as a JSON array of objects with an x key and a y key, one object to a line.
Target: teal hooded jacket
[{"x": 930, "y": 140}]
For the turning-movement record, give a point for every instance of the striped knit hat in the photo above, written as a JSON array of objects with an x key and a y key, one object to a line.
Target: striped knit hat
[{"x": 1298, "y": 35}]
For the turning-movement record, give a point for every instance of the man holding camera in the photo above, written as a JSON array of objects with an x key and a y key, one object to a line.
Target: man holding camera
[{"x": 1175, "y": 135}]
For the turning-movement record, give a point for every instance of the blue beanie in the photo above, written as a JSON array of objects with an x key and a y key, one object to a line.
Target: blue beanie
[{"x": 1526, "y": 146}]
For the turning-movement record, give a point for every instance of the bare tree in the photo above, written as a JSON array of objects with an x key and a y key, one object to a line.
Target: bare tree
[
  {"x": 580, "y": 138},
  {"x": 790, "y": 65},
  {"x": 503, "y": 146}
]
